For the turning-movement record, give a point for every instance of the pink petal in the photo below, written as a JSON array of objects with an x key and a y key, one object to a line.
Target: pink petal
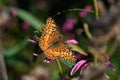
[
  {"x": 32, "y": 41},
  {"x": 37, "y": 53},
  {"x": 108, "y": 63},
  {"x": 78, "y": 66},
  {"x": 34, "y": 54},
  {"x": 72, "y": 41},
  {"x": 84, "y": 67},
  {"x": 85, "y": 11},
  {"x": 47, "y": 60},
  {"x": 106, "y": 76},
  {"x": 79, "y": 56}
]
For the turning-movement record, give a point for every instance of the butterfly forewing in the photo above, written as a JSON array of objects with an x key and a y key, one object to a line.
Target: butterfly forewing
[{"x": 50, "y": 34}]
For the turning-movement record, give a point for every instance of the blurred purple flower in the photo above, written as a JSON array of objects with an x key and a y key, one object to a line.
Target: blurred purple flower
[
  {"x": 71, "y": 41},
  {"x": 41, "y": 4},
  {"x": 32, "y": 41},
  {"x": 84, "y": 62},
  {"x": 13, "y": 12},
  {"x": 85, "y": 11},
  {"x": 25, "y": 25},
  {"x": 69, "y": 24}
]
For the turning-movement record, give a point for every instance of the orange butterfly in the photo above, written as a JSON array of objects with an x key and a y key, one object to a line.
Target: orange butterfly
[{"x": 52, "y": 45}]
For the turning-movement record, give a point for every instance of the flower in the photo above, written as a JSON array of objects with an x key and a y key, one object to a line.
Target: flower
[
  {"x": 71, "y": 41},
  {"x": 69, "y": 23},
  {"x": 84, "y": 62},
  {"x": 13, "y": 12},
  {"x": 78, "y": 66},
  {"x": 85, "y": 11},
  {"x": 81, "y": 64},
  {"x": 25, "y": 25}
]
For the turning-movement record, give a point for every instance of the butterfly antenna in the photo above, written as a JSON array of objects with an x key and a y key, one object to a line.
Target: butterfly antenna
[
  {"x": 60, "y": 13},
  {"x": 70, "y": 10}
]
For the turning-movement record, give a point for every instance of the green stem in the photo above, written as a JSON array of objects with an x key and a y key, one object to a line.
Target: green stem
[
  {"x": 86, "y": 28},
  {"x": 113, "y": 47},
  {"x": 59, "y": 66},
  {"x": 80, "y": 10},
  {"x": 96, "y": 8}
]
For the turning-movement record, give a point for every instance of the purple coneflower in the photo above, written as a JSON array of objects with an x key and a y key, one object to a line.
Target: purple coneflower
[{"x": 84, "y": 62}]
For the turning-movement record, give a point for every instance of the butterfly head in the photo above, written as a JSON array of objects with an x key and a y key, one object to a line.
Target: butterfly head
[{"x": 50, "y": 21}]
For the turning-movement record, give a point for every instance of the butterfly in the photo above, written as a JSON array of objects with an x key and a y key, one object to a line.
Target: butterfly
[{"x": 52, "y": 45}]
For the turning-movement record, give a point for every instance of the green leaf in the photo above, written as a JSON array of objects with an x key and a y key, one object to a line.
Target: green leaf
[
  {"x": 77, "y": 48},
  {"x": 15, "y": 49},
  {"x": 68, "y": 63},
  {"x": 28, "y": 17}
]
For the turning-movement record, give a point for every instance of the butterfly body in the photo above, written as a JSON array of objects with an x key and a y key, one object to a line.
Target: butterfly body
[{"x": 52, "y": 44}]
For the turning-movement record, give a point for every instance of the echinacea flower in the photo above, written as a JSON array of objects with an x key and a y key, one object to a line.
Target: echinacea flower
[
  {"x": 81, "y": 64},
  {"x": 84, "y": 62},
  {"x": 85, "y": 11},
  {"x": 69, "y": 24}
]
